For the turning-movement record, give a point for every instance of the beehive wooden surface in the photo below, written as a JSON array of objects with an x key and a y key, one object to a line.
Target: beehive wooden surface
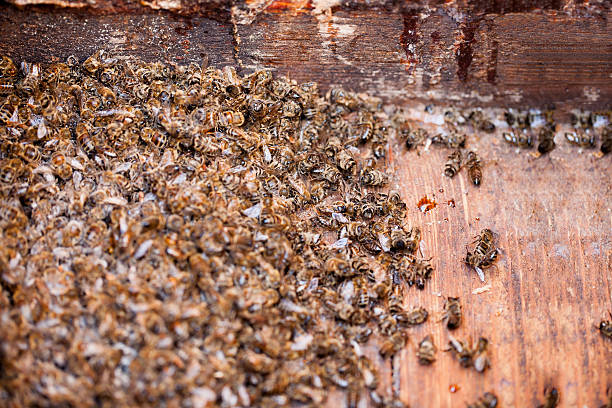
[
  {"x": 553, "y": 215},
  {"x": 552, "y": 284}
]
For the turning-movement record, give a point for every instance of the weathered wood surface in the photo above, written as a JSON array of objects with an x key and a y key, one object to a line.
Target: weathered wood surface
[
  {"x": 515, "y": 55},
  {"x": 553, "y": 214},
  {"x": 552, "y": 284}
]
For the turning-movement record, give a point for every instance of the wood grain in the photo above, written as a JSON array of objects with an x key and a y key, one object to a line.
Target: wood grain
[
  {"x": 552, "y": 284},
  {"x": 505, "y": 54}
]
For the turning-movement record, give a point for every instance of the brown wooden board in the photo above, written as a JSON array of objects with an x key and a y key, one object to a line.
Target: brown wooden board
[
  {"x": 450, "y": 53},
  {"x": 552, "y": 284}
]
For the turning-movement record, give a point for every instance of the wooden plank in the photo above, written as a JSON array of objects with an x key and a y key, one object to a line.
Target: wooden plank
[
  {"x": 402, "y": 52},
  {"x": 44, "y": 36},
  {"x": 551, "y": 286}
]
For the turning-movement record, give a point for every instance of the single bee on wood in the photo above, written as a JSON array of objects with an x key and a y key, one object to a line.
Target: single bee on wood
[
  {"x": 421, "y": 271},
  {"x": 474, "y": 170},
  {"x": 414, "y": 317},
  {"x": 453, "y": 164},
  {"x": 484, "y": 241},
  {"x": 452, "y": 313},
  {"x": 488, "y": 400},
  {"x": 415, "y": 138},
  {"x": 484, "y": 254},
  {"x": 461, "y": 351},
  {"x": 605, "y": 327},
  {"x": 393, "y": 344},
  {"x": 481, "y": 359},
  {"x": 426, "y": 353},
  {"x": 546, "y": 140},
  {"x": 551, "y": 396}
]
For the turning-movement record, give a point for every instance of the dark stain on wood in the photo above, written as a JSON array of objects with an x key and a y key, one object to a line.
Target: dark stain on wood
[
  {"x": 464, "y": 52},
  {"x": 513, "y": 6},
  {"x": 410, "y": 36}
]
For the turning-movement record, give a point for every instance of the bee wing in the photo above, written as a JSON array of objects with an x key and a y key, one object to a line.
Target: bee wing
[
  {"x": 480, "y": 273},
  {"x": 455, "y": 343},
  {"x": 481, "y": 362}
]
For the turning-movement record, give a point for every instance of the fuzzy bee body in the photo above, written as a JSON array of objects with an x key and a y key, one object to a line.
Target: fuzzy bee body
[
  {"x": 452, "y": 313},
  {"x": 605, "y": 327},
  {"x": 474, "y": 170},
  {"x": 488, "y": 400},
  {"x": 426, "y": 353},
  {"x": 546, "y": 142},
  {"x": 551, "y": 398},
  {"x": 453, "y": 164}
]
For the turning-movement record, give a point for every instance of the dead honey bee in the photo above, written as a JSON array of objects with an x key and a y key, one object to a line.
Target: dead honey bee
[
  {"x": 339, "y": 267},
  {"x": 393, "y": 344},
  {"x": 415, "y": 138},
  {"x": 400, "y": 240},
  {"x": 581, "y": 137},
  {"x": 7, "y": 86},
  {"x": 484, "y": 254},
  {"x": 452, "y": 313},
  {"x": 474, "y": 170},
  {"x": 461, "y": 351},
  {"x": 481, "y": 359},
  {"x": 414, "y": 317},
  {"x": 605, "y": 327},
  {"x": 488, "y": 400},
  {"x": 546, "y": 142},
  {"x": 373, "y": 178},
  {"x": 421, "y": 271},
  {"x": 345, "y": 161},
  {"x": 452, "y": 139},
  {"x": 453, "y": 164},
  {"x": 84, "y": 137},
  {"x": 363, "y": 297},
  {"x": 520, "y": 138},
  {"x": 551, "y": 396},
  {"x": 7, "y": 67},
  {"x": 7, "y": 114},
  {"x": 30, "y": 153},
  {"x": 426, "y": 353},
  {"x": 480, "y": 122}
]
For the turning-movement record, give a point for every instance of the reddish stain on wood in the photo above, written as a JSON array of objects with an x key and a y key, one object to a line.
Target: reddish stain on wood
[{"x": 425, "y": 204}]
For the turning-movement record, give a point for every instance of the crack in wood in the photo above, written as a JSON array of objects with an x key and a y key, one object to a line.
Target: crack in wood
[{"x": 236, "y": 37}]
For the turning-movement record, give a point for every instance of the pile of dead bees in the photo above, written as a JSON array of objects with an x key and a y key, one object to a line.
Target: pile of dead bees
[
  {"x": 183, "y": 236},
  {"x": 180, "y": 235}
]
